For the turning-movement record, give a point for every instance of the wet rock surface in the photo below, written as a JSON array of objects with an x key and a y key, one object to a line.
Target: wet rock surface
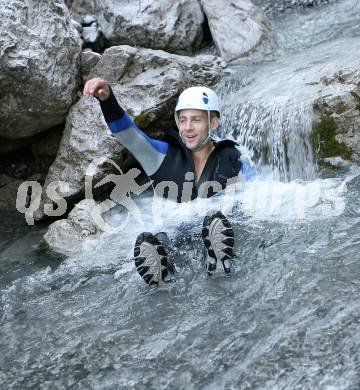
[
  {"x": 341, "y": 110},
  {"x": 75, "y": 234}
]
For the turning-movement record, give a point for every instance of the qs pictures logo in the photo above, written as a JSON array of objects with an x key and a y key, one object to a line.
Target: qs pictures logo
[{"x": 30, "y": 195}]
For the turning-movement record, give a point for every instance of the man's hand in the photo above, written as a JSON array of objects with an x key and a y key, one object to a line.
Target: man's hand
[{"x": 97, "y": 87}]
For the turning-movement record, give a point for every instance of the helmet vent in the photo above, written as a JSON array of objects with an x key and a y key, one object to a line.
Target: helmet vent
[{"x": 205, "y": 98}]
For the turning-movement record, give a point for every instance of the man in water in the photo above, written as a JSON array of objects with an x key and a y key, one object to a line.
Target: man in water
[{"x": 187, "y": 165}]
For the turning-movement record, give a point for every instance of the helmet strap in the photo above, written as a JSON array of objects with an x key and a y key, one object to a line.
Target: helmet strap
[
  {"x": 207, "y": 139},
  {"x": 204, "y": 143}
]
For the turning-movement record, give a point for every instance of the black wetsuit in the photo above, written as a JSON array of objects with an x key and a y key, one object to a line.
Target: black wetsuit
[{"x": 169, "y": 163}]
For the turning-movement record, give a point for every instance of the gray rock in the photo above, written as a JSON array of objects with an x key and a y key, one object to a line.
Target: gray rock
[
  {"x": 89, "y": 59},
  {"x": 343, "y": 105},
  {"x": 238, "y": 28},
  {"x": 147, "y": 83},
  {"x": 77, "y": 25},
  {"x": 345, "y": 110},
  {"x": 88, "y": 20},
  {"x": 158, "y": 24},
  {"x": 337, "y": 162},
  {"x": 85, "y": 138},
  {"x": 90, "y": 34},
  {"x": 40, "y": 53},
  {"x": 76, "y": 234}
]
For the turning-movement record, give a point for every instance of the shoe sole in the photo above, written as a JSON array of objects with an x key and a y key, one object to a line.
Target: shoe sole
[
  {"x": 218, "y": 237},
  {"x": 151, "y": 260}
]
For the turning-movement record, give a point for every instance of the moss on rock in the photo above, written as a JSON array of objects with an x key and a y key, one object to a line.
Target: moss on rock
[
  {"x": 324, "y": 141},
  {"x": 142, "y": 121}
]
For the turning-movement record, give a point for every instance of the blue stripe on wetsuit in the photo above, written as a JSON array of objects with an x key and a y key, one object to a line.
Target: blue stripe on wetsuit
[{"x": 121, "y": 124}]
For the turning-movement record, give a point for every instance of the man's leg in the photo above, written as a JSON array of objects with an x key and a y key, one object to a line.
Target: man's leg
[
  {"x": 151, "y": 259},
  {"x": 218, "y": 237}
]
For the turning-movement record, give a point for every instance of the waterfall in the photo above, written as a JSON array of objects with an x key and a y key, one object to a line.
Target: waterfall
[
  {"x": 268, "y": 107},
  {"x": 277, "y": 135}
]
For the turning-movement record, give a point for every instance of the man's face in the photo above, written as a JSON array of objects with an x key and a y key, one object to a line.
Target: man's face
[{"x": 193, "y": 126}]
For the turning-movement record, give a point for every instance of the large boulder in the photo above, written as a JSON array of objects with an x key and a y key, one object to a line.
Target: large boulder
[
  {"x": 40, "y": 53},
  {"x": 75, "y": 234},
  {"x": 146, "y": 83},
  {"x": 85, "y": 139},
  {"x": 158, "y": 24},
  {"x": 238, "y": 28}
]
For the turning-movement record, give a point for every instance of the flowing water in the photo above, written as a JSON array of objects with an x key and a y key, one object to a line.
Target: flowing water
[{"x": 289, "y": 315}]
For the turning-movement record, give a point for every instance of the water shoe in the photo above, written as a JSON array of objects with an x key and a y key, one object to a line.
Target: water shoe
[
  {"x": 218, "y": 237},
  {"x": 151, "y": 259}
]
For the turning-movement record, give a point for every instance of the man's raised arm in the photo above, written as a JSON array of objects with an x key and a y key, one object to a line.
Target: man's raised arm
[{"x": 149, "y": 152}]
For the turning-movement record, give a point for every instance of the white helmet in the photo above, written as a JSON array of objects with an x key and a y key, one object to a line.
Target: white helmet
[{"x": 198, "y": 98}]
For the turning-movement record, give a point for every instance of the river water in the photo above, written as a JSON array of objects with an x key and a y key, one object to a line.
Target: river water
[{"x": 289, "y": 315}]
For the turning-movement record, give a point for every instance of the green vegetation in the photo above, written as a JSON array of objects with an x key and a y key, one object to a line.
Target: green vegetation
[
  {"x": 324, "y": 141},
  {"x": 142, "y": 121}
]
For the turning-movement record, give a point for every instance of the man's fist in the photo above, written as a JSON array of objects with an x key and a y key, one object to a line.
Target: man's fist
[{"x": 97, "y": 87}]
